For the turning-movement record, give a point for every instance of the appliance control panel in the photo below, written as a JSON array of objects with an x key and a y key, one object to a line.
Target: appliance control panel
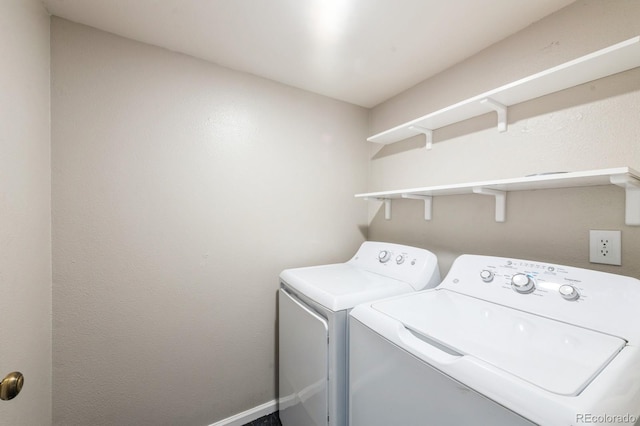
[
  {"x": 574, "y": 295},
  {"x": 416, "y": 266},
  {"x": 526, "y": 277}
]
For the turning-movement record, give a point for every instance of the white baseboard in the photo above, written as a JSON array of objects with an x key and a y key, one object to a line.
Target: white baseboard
[{"x": 249, "y": 415}]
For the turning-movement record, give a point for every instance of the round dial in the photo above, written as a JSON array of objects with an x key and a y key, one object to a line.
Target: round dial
[
  {"x": 384, "y": 256},
  {"x": 522, "y": 283},
  {"x": 569, "y": 292},
  {"x": 486, "y": 275},
  {"x": 400, "y": 259}
]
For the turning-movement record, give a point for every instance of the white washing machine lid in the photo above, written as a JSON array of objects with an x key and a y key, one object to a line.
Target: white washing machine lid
[
  {"x": 342, "y": 286},
  {"x": 552, "y": 355}
]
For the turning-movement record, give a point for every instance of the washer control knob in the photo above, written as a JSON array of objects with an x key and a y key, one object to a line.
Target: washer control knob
[
  {"x": 522, "y": 283},
  {"x": 569, "y": 292},
  {"x": 486, "y": 275},
  {"x": 384, "y": 256},
  {"x": 400, "y": 259}
]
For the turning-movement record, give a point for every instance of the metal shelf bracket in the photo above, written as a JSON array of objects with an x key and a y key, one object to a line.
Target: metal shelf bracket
[
  {"x": 428, "y": 133},
  {"x": 500, "y": 109},
  {"x": 387, "y": 205},
  {"x": 428, "y": 205},
  {"x": 631, "y": 186},
  {"x": 501, "y": 201}
]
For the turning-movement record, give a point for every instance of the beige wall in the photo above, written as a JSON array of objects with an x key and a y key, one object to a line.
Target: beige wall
[
  {"x": 25, "y": 206},
  {"x": 591, "y": 126},
  {"x": 180, "y": 191}
]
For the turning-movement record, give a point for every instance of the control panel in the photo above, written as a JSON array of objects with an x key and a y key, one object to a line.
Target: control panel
[
  {"x": 413, "y": 265},
  {"x": 527, "y": 277},
  {"x": 574, "y": 295},
  {"x": 526, "y": 282},
  {"x": 386, "y": 254}
]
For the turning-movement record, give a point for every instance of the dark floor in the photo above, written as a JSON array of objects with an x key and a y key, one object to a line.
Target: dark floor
[{"x": 270, "y": 420}]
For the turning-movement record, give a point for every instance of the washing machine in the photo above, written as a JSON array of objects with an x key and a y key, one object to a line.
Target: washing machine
[
  {"x": 313, "y": 307},
  {"x": 500, "y": 341}
]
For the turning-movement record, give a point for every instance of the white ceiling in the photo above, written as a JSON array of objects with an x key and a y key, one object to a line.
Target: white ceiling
[{"x": 358, "y": 51}]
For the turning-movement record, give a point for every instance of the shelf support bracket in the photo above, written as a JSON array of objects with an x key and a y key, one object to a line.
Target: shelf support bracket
[
  {"x": 428, "y": 205},
  {"x": 500, "y": 109},
  {"x": 387, "y": 206},
  {"x": 501, "y": 201},
  {"x": 631, "y": 186},
  {"x": 428, "y": 133}
]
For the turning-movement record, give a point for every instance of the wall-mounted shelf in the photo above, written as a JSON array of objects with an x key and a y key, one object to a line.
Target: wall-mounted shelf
[
  {"x": 624, "y": 177},
  {"x": 611, "y": 60}
]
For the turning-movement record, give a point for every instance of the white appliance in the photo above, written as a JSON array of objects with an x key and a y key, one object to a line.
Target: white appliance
[
  {"x": 500, "y": 342},
  {"x": 313, "y": 305}
]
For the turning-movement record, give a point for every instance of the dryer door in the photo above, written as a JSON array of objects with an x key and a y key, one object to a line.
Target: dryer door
[{"x": 303, "y": 363}]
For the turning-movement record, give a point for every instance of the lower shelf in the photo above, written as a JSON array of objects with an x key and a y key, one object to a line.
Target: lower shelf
[{"x": 624, "y": 177}]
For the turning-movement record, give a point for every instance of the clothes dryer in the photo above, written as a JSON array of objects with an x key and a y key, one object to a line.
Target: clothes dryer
[
  {"x": 313, "y": 306},
  {"x": 500, "y": 341}
]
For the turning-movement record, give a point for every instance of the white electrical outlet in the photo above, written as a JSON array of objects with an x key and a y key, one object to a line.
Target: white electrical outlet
[{"x": 605, "y": 247}]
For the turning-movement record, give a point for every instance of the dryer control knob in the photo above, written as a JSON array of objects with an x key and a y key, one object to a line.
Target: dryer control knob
[
  {"x": 522, "y": 283},
  {"x": 569, "y": 292},
  {"x": 384, "y": 256},
  {"x": 400, "y": 259},
  {"x": 486, "y": 275}
]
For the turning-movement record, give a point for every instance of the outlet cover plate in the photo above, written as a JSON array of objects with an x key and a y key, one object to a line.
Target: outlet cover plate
[{"x": 605, "y": 247}]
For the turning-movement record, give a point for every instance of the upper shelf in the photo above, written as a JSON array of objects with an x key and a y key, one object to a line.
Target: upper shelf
[
  {"x": 624, "y": 177},
  {"x": 611, "y": 60}
]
